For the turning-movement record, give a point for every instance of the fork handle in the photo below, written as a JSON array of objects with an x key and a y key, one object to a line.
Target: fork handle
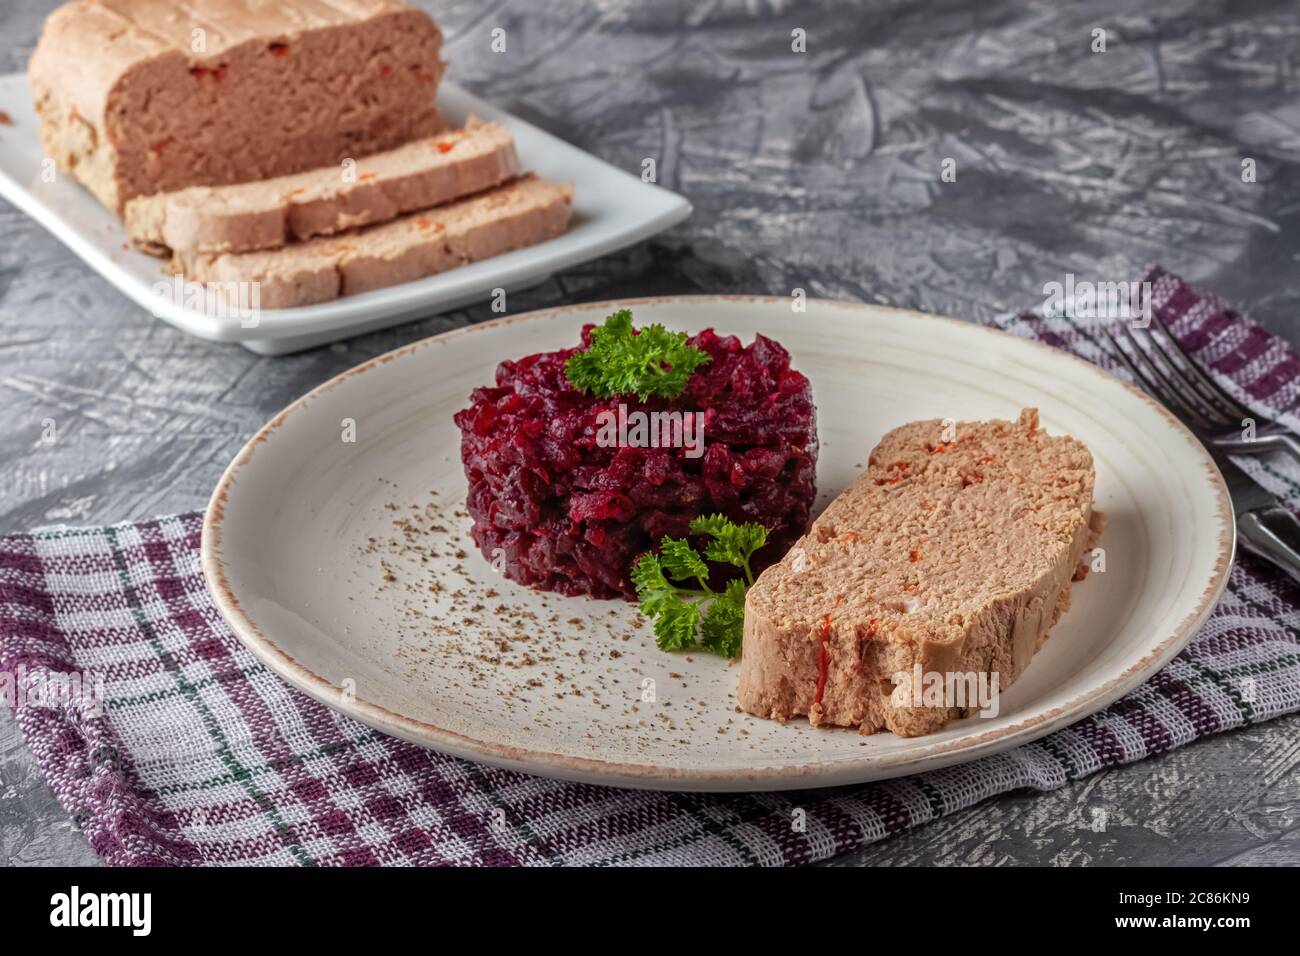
[
  {"x": 1260, "y": 444},
  {"x": 1273, "y": 533}
]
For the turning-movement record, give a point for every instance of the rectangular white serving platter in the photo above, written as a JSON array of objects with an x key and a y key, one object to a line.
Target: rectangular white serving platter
[{"x": 612, "y": 209}]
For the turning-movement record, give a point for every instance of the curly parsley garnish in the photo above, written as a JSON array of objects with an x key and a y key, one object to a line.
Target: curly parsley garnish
[
  {"x": 698, "y": 618},
  {"x": 627, "y": 361}
]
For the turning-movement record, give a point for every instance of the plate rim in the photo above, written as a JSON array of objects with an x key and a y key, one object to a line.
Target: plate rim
[{"x": 651, "y": 776}]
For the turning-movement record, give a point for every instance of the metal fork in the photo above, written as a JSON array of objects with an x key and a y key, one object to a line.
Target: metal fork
[
  {"x": 1191, "y": 392},
  {"x": 1264, "y": 525}
]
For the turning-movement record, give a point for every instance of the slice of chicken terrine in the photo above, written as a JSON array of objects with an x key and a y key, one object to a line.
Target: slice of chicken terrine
[
  {"x": 520, "y": 213},
  {"x": 939, "y": 572},
  {"x": 137, "y": 97},
  {"x": 246, "y": 217}
]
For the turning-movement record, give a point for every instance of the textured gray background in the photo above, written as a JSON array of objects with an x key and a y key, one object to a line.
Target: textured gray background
[{"x": 817, "y": 171}]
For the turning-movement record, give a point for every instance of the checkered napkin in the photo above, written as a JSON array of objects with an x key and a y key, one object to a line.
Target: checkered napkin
[{"x": 199, "y": 755}]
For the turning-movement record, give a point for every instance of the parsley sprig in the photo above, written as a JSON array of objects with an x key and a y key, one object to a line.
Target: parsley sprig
[
  {"x": 626, "y": 361},
  {"x": 689, "y": 618}
]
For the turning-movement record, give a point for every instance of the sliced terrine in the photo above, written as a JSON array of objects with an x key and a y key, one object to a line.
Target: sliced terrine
[
  {"x": 949, "y": 558},
  {"x": 137, "y": 97},
  {"x": 265, "y": 215},
  {"x": 520, "y": 213}
]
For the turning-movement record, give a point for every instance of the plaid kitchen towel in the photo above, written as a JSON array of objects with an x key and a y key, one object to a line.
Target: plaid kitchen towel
[{"x": 199, "y": 755}]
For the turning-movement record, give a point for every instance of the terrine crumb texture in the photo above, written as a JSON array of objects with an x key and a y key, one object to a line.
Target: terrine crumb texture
[
  {"x": 520, "y": 213},
  {"x": 555, "y": 508},
  {"x": 247, "y": 217},
  {"x": 953, "y": 553},
  {"x": 138, "y": 97}
]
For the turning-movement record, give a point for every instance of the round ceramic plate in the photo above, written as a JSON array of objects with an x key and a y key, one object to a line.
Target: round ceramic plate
[{"x": 337, "y": 547}]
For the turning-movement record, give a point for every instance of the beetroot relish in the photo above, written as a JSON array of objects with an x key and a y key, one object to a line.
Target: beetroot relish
[{"x": 572, "y": 516}]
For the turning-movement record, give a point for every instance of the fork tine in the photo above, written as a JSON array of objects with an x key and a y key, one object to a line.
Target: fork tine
[
  {"x": 1159, "y": 385},
  {"x": 1132, "y": 367},
  {"x": 1212, "y": 413},
  {"x": 1149, "y": 385},
  {"x": 1213, "y": 389}
]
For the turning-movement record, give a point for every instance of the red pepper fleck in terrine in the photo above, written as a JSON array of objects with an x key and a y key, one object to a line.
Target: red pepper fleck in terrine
[{"x": 823, "y": 659}]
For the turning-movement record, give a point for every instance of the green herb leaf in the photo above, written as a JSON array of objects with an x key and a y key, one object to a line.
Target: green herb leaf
[
  {"x": 676, "y": 625},
  {"x": 722, "y": 630},
  {"x": 698, "y": 618},
  {"x": 732, "y": 543},
  {"x": 625, "y": 361},
  {"x": 680, "y": 561},
  {"x": 648, "y": 577},
  {"x": 675, "y": 620}
]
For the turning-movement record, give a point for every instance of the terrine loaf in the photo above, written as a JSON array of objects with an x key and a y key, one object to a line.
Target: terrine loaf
[
  {"x": 265, "y": 215},
  {"x": 951, "y": 555},
  {"x": 520, "y": 213},
  {"x": 137, "y": 97}
]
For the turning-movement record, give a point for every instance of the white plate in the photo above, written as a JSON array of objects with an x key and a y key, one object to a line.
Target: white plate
[
  {"x": 286, "y": 553},
  {"x": 612, "y": 209}
]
